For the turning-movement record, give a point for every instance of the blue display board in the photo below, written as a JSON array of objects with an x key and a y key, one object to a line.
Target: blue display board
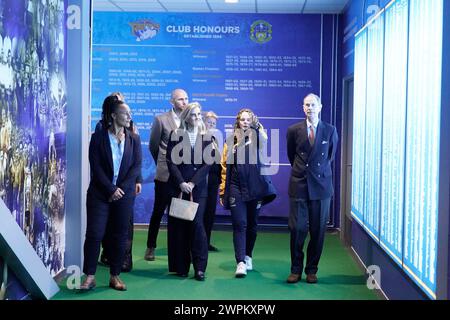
[
  {"x": 396, "y": 128},
  {"x": 359, "y": 127},
  {"x": 374, "y": 111},
  {"x": 224, "y": 61},
  {"x": 422, "y": 142},
  {"x": 394, "y": 121}
]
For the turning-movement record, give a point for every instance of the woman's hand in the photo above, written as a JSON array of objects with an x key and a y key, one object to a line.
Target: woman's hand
[
  {"x": 118, "y": 194},
  {"x": 192, "y": 185},
  {"x": 138, "y": 188},
  {"x": 255, "y": 123},
  {"x": 185, "y": 187}
]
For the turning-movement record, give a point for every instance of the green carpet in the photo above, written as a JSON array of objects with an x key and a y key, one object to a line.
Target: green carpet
[{"x": 339, "y": 276}]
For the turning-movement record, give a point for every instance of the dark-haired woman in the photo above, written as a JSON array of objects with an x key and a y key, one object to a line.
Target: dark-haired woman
[
  {"x": 128, "y": 260},
  {"x": 115, "y": 161}
]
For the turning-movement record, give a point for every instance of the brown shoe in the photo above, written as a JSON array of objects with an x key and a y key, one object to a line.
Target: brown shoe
[
  {"x": 293, "y": 278},
  {"x": 311, "y": 278},
  {"x": 150, "y": 254},
  {"x": 88, "y": 284},
  {"x": 117, "y": 284}
]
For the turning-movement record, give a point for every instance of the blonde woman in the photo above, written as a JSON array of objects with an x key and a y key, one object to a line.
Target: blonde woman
[
  {"x": 186, "y": 240},
  {"x": 244, "y": 189}
]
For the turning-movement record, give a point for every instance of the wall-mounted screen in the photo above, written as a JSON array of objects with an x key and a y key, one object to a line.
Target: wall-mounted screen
[
  {"x": 359, "y": 123},
  {"x": 422, "y": 142},
  {"x": 398, "y": 205},
  {"x": 394, "y": 120}
]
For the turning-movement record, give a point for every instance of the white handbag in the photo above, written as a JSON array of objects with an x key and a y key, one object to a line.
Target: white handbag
[{"x": 183, "y": 209}]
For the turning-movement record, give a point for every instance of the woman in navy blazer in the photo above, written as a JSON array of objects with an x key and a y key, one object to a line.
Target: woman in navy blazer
[
  {"x": 188, "y": 170},
  {"x": 115, "y": 161}
]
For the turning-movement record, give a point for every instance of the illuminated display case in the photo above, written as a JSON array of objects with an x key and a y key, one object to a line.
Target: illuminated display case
[
  {"x": 394, "y": 121},
  {"x": 396, "y": 137},
  {"x": 359, "y": 121}
]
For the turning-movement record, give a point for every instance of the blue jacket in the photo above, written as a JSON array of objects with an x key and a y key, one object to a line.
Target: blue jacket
[
  {"x": 194, "y": 169},
  {"x": 102, "y": 168},
  {"x": 253, "y": 184},
  {"x": 311, "y": 175}
]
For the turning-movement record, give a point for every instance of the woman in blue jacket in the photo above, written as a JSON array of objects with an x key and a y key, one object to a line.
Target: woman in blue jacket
[
  {"x": 186, "y": 240},
  {"x": 115, "y": 161},
  {"x": 244, "y": 189}
]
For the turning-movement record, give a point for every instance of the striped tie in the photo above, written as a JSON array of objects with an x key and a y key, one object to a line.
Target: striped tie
[{"x": 311, "y": 135}]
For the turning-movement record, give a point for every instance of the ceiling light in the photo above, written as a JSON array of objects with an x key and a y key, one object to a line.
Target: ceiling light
[{"x": 231, "y": 1}]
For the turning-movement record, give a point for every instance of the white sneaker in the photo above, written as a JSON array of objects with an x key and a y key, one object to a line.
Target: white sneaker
[
  {"x": 249, "y": 263},
  {"x": 241, "y": 270}
]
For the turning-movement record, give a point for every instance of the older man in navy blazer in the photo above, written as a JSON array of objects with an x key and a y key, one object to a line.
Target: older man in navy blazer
[{"x": 311, "y": 146}]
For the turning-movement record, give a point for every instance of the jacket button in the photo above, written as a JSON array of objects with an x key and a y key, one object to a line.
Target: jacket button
[
  {"x": 323, "y": 153},
  {"x": 319, "y": 175},
  {"x": 318, "y": 164},
  {"x": 306, "y": 164},
  {"x": 195, "y": 169}
]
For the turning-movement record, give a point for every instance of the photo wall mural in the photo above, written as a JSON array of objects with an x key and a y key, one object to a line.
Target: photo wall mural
[{"x": 33, "y": 120}]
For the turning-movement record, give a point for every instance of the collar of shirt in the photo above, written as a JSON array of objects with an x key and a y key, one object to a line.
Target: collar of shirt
[
  {"x": 176, "y": 118},
  {"x": 309, "y": 124}
]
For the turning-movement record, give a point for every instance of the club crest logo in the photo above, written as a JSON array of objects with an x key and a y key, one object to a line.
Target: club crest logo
[
  {"x": 144, "y": 29},
  {"x": 261, "y": 31}
]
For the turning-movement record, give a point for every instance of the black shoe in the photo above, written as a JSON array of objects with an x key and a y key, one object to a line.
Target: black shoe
[
  {"x": 149, "y": 254},
  {"x": 212, "y": 248},
  {"x": 200, "y": 276}
]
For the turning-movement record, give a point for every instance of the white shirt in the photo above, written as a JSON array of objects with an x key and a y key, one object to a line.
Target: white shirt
[
  {"x": 314, "y": 126},
  {"x": 176, "y": 118},
  {"x": 193, "y": 136},
  {"x": 117, "y": 154}
]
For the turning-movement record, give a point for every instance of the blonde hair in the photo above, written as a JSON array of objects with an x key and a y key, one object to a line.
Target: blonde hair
[
  {"x": 238, "y": 132},
  {"x": 185, "y": 115},
  {"x": 210, "y": 114}
]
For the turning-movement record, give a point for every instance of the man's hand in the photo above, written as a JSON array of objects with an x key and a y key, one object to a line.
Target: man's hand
[{"x": 138, "y": 188}]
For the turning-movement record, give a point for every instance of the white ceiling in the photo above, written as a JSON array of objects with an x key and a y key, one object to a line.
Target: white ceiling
[{"x": 243, "y": 6}]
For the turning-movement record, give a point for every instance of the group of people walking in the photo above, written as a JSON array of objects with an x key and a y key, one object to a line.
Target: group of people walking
[{"x": 190, "y": 165}]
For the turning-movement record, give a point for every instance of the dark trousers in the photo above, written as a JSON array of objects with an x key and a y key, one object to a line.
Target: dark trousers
[
  {"x": 162, "y": 200},
  {"x": 244, "y": 216},
  {"x": 107, "y": 240},
  {"x": 307, "y": 216},
  {"x": 210, "y": 210},
  {"x": 99, "y": 215},
  {"x": 186, "y": 242}
]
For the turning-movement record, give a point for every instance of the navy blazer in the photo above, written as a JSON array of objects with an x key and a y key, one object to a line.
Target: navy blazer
[
  {"x": 194, "y": 169},
  {"x": 311, "y": 176},
  {"x": 253, "y": 184},
  {"x": 102, "y": 168}
]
